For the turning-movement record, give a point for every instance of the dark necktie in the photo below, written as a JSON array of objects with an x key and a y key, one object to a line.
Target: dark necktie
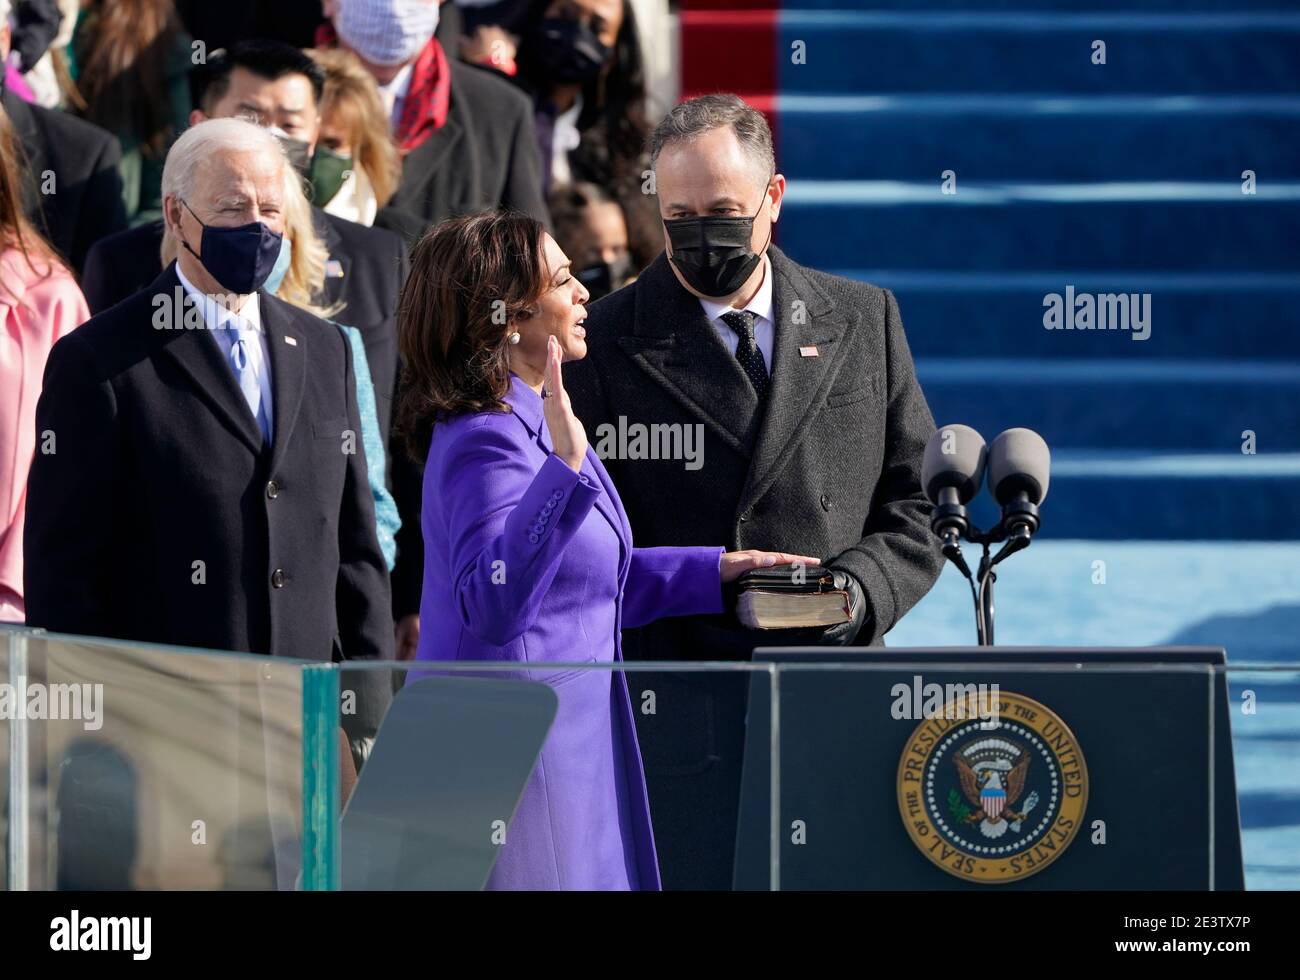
[{"x": 747, "y": 352}]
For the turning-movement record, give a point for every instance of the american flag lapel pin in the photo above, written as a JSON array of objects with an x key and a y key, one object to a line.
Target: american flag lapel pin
[{"x": 808, "y": 352}]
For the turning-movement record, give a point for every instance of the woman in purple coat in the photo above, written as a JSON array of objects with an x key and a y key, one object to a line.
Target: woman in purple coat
[{"x": 528, "y": 553}]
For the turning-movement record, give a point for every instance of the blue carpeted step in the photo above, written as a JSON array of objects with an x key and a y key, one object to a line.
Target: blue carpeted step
[
  {"x": 1048, "y": 52},
  {"x": 1122, "y": 404},
  {"x": 1194, "y": 316},
  {"x": 1121, "y": 495},
  {"x": 1139, "y": 495},
  {"x": 1153, "y": 592},
  {"x": 1018, "y": 227},
  {"x": 1036, "y": 137}
]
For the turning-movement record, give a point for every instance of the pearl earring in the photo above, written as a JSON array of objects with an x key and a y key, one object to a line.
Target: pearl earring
[{"x": 513, "y": 338}]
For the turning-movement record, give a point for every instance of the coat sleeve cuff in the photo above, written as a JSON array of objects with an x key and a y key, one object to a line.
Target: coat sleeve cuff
[
  {"x": 877, "y": 591},
  {"x": 557, "y": 497}
]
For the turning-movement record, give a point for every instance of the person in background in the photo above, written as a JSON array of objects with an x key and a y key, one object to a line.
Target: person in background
[
  {"x": 72, "y": 190},
  {"x": 581, "y": 61},
  {"x": 355, "y": 169},
  {"x": 222, "y": 23},
  {"x": 39, "y": 304},
  {"x": 131, "y": 62},
  {"x": 465, "y": 135},
  {"x": 591, "y": 229},
  {"x": 489, "y": 35},
  {"x": 298, "y": 277},
  {"x": 40, "y": 29}
]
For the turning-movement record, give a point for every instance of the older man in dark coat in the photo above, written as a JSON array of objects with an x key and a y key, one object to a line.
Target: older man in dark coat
[{"x": 199, "y": 479}]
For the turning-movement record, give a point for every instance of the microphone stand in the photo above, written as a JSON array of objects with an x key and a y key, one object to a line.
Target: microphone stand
[
  {"x": 1013, "y": 539},
  {"x": 986, "y": 577}
]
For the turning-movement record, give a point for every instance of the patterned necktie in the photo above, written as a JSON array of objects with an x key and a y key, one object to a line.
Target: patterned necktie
[
  {"x": 747, "y": 352},
  {"x": 245, "y": 342}
]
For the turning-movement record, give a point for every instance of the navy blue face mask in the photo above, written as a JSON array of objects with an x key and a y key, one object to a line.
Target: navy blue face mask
[{"x": 240, "y": 259}]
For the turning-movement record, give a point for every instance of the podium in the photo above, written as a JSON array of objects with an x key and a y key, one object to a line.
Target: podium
[
  {"x": 1098, "y": 769},
  {"x": 128, "y": 765}
]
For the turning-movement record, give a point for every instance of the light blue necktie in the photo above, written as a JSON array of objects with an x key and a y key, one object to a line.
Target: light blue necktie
[{"x": 245, "y": 342}]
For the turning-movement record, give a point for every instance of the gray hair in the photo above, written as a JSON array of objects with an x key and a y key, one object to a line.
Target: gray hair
[
  {"x": 694, "y": 117},
  {"x": 207, "y": 139}
]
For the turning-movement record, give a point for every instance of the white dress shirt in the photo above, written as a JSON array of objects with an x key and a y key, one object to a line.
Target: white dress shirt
[
  {"x": 564, "y": 139},
  {"x": 225, "y": 333},
  {"x": 760, "y": 306},
  {"x": 394, "y": 93}
]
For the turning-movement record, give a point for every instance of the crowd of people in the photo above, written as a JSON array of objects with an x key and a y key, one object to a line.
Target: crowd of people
[
  {"x": 394, "y": 115},
  {"x": 287, "y": 291}
]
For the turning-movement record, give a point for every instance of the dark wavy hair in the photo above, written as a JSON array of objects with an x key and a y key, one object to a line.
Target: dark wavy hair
[
  {"x": 471, "y": 278},
  {"x": 613, "y": 120},
  {"x": 125, "y": 50}
]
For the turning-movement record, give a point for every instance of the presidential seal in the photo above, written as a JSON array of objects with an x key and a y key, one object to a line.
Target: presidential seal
[{"x": 997, "y": 800}]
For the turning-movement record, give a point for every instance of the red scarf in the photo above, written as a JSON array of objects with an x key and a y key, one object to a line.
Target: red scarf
[{"x": 428, "y": 96}]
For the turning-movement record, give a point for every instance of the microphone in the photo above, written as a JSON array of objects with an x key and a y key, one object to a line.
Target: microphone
[
  {"x": 1019, "y": 466},
  {"x": 951, "y": 473}
]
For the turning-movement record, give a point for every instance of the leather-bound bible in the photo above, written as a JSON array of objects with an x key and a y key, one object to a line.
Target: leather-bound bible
[{"x": 792, "y": 596}]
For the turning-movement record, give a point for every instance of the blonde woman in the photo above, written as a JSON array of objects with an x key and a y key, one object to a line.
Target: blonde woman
[
  {"x": 299, "y": 278},
  {"x": 356, "y": 168}
]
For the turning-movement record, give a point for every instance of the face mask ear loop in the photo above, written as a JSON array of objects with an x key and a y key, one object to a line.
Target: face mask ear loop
[
  {"x": 196, "y": 218},
  {"x": 770, "y": 224}
]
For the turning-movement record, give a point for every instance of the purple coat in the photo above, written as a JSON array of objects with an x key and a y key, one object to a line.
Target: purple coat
[{"x": 526, "y": 560}]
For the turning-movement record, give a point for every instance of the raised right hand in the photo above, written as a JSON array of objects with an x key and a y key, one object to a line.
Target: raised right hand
[{"x": 568, "y": 438}]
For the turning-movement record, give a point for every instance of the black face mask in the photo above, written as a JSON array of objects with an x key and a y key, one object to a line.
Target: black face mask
[
  {"x": 241, "y": 259},
  {"x": 713, "y": 253},
  {"x": 605, "y": 277},
  {"x": 565, "y": 50}
]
